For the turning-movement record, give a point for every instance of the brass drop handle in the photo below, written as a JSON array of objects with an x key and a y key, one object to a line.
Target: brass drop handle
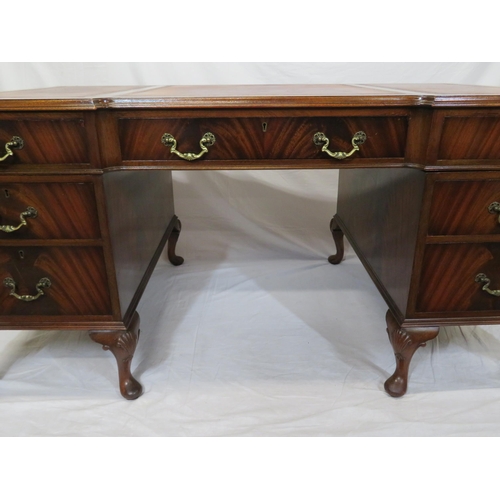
[
  {"x": 29, "y": 212},
  {"x": 320, "y": 139},
  {"x": 43, "y": 283},
  {"x": 208, "y": 139},
  {"x": 494, "y": 208},
  {"x": 485, "y": 281},
  {"x": 14, "y": 143}
]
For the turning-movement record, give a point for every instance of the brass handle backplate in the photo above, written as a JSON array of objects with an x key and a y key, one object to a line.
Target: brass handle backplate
[
  {"x": 14, "y": 143},
  {"x": 494, "y": 208},
  {"x": 29, "y": 212},
  {"x": 208, "y": 139},
  {"x": 485, "y": 281},
  {"x": 320, "y": 139},
  {"x": 43, "y": 283}
]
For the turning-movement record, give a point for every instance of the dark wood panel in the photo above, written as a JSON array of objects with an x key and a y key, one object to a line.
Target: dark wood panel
[
  {"x": 448, "y": 278},
  {"x": 470, "y": 138},
  {"x": 419, "y": 134},
  {"x": 66, "y": 210},
  {"x": 140, "y": 208},
  {"x": 461, "y": 208},
  {"x": 46, "y": 141},
  {"x": 266, "y": 137},
  {"x": 108, "y": 138},
  {"x": 77, "y": 274},
  {"x": 380, "y": 213}
]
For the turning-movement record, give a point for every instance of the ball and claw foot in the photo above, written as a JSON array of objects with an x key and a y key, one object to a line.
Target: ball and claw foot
[
  {"x": 123, "y": 344},
  {"x": 338, "y": 238},
  {"x": 172, "y": 242},
  {"x": 404, "y": 341}
]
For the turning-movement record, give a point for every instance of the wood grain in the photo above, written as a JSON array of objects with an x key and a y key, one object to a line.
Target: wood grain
[
  {"x": 46, "y": 141},
  {"x": 461, "y": 208},
  {"x": 78, "y": 276},
  {"x": 470, "y": 138},
  {"x": 66, "y": 210},
  {"x": 248, "y": 138},
  {"x": 379, "y": 212},
  {"x": 448, "y": 278}
]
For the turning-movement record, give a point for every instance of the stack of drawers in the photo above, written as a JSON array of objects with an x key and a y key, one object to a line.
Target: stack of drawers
[
  {"x": 462, "y": 243},
  {"x": 460, "y": 248},
  {"x": 52, "y": 264}
]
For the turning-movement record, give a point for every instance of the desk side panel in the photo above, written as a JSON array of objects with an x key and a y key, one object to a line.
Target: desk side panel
[
  {"x": 379, "y": 211},
  {"x": 140, "y": 208}
]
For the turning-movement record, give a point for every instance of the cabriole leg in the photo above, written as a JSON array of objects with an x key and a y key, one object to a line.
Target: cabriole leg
[
  {"x": 338, "y": 238},
  {"x": 404, "y": 341},
  {"x": 122, "y": 344},
  {"x": 172, "y": 242}
]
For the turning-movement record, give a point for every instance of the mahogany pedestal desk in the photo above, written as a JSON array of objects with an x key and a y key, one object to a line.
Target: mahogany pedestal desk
[{"x": 86, "y": 201}]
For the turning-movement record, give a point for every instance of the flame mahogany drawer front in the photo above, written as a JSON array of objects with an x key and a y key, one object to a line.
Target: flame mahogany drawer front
[
  {"x": 261, "y": 138},
  {"x": 465, "y": 207},
  {"x": 470, "y": 137},
  {"x": 59, "y": 139},
  {"x": 448, "y": 282},
  {"x": 77, "y": 276},
  {"x": 62, "y": 210}
]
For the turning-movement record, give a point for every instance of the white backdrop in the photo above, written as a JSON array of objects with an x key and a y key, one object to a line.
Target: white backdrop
[{"x": 256, "y": 334}]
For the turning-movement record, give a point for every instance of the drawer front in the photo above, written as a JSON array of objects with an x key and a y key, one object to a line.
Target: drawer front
[
  {"x": 77, "y": 275},
  {"x": 465, "y": 208},
  {"x": 56, "y": 141},
  {"x": 263, "y": 138},
  {"x": 64, "y": 210},
  {"x": 448, "y": 279},
  {"x": 470, "y": 138}
]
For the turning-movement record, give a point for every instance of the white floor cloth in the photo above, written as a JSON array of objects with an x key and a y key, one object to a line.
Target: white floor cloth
[{"x": 256, "y": 334}]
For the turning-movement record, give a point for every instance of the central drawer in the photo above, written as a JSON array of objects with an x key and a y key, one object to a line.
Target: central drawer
[
  {"x": 76, "y": 276},
  {"x": 51, "y": 210},
  {"x": 265, "y": 137}
]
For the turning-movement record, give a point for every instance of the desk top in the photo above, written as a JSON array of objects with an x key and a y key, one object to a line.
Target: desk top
[{"x": 246, "y": 96}]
